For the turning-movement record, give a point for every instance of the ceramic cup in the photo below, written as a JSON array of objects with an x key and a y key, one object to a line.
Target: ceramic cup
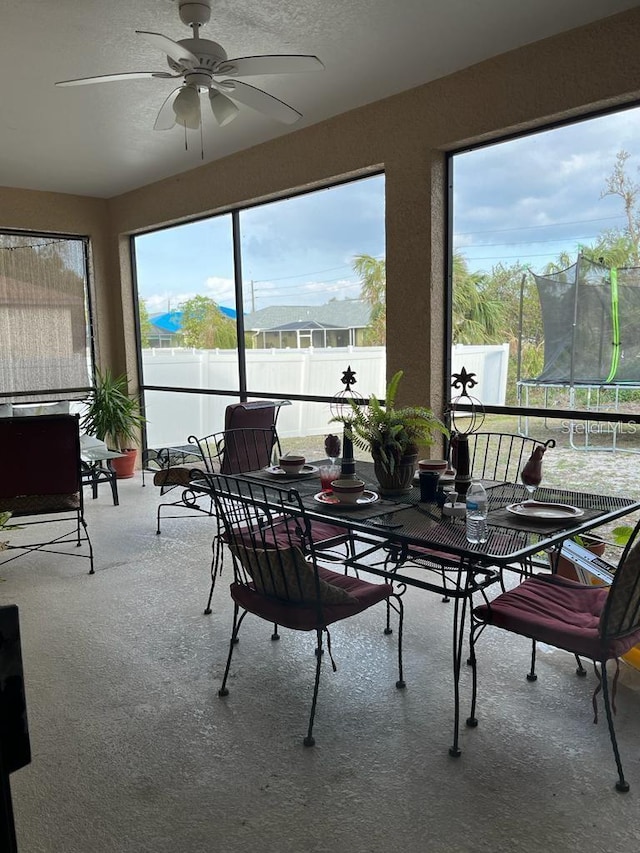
[
  {"x": 428, "y": 485},
  {"x": 292, "y": 464},
  {"x": 347, "y": 491}
]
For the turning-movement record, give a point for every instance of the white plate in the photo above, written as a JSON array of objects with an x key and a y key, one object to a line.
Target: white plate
[
  {"x": 541, "y": 511},
  {"x": 329, "y": 499},
  {"x": 280, "y": 472}
]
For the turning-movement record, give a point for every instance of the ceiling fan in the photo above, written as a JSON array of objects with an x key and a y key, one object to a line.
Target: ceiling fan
[{"x": 206, "y": 71}]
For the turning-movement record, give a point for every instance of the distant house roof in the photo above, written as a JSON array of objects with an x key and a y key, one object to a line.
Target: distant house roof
[
  {"x": 171, "y": 321},
  {"x": 340, "y": 314},
  {"x": 303, "y": 324}
]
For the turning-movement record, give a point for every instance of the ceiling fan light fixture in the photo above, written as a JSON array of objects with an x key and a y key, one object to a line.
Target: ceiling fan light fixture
[
  {"x": 186, "y": 106},
  {"x": 223, "y": 108}
]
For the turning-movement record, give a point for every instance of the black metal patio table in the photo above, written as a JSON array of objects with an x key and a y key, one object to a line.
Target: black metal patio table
[{"x": 411, "y": 543}]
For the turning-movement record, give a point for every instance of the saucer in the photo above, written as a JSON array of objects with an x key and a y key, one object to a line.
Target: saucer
[
  {"x": 305, "y": 471},
  {"x": 329, "y": 499}
]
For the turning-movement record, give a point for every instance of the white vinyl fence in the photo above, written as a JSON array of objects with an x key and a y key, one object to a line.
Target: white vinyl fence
[{"x": 172, "y": 417}]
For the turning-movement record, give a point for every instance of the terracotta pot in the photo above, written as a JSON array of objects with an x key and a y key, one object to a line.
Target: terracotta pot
[
  {"x": 566, "y": 568},
  {"x": 124, "y": 466},
  {"x": 400, "y": 482}
]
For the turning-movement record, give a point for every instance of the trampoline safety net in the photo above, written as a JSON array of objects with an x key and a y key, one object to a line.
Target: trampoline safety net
[{"x": 591, "y": 323}]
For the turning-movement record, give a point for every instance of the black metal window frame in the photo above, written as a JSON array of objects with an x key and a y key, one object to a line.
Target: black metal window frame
[
  {"x": 520, "y": 411},
  {"x": 242, "y": 392}
]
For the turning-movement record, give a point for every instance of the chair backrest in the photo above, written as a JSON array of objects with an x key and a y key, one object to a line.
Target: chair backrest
[
  {"x": 258, "y": 414},
  {"x": 40, "y": 469},
  {"x": 499, "y": 456},
  {"x": 236, "y": 451},
  {"x": 621, "y": 613},
  {"x": 270, "y": 538}
]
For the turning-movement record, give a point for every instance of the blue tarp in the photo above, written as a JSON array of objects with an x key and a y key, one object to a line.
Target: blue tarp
[{"x": 171, "y": 321}]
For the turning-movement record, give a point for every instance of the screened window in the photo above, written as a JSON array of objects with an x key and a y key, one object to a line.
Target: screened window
[
  {"x": 276, "y": 300},
  {"x": 546, "y": 290},
  {"x": 44, "y": 318}
]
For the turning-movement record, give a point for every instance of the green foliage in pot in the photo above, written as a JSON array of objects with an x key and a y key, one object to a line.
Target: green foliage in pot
[
  {"x": 390, "y": 433},
  {"x": 5, "y": 519},
  {"x": 621, "y": 534},
  {"x": 112, "y": 415}
]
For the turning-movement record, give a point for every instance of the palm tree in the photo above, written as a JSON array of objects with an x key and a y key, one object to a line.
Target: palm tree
[
  {"x": 477, "y": 317},
  {"x": 373, "y": 290}
]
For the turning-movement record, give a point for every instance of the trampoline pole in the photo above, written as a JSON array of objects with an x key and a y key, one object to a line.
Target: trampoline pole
[
  {"x": 520, "y": 319},
  {"x": 519, "y": 361},
  {"x": 573, "y": 347},
  {"x": 575, "y": 322}
]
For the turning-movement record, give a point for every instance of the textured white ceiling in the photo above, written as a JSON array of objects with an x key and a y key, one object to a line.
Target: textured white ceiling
[{"x": 99, "y": 140}]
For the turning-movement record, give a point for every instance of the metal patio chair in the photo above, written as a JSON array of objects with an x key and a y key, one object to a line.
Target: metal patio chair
[
  {"x": 278, "y": 576},
  {"x": 176, "y": 467},
  {"x": 41, "y": 484},
  {"x": 596, "y": 622}
]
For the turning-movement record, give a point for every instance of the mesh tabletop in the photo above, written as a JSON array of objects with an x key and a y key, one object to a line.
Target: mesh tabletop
[{"x": 510, "y": 537}]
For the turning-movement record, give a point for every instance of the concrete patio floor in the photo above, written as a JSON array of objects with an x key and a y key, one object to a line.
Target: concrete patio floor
[{"x": 133, "y": 750}]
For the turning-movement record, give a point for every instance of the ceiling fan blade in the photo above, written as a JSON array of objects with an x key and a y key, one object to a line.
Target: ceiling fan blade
[
  {"x": 261, "y": 101},
  {"x": 176, "y": 51},
  {"x": 127, "y": 75},
  {"x": 223, "y": 108},
  {"x": 285, "y": 64},
  {"x": 166, "y": 117}
]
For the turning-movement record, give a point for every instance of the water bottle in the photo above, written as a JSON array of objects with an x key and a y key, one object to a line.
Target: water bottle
[{"x": 477, "y": 530}]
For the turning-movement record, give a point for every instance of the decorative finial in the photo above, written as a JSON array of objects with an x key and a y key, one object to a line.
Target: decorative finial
[
  {"x": 464, "y": 380},
  {"x": 348, "y": 378},
  {"x": 473, "y": 416}
]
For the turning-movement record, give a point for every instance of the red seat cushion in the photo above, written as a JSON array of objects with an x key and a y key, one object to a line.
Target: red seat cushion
[
  {"x": 304, "y": 617},
  {"x": 322, "y": 533},
  {"x": 559, "y": 612}
]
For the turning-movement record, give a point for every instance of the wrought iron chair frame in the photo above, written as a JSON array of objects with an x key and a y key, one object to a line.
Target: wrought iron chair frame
[
  {"x": 618, "y": 609},
  {"x": 50, "y": 444},
  {"x": 259, "y": 518},
  {"x": 188, "y": 462}
]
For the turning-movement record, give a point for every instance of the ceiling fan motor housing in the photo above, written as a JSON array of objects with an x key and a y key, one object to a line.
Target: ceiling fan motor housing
[{"x": 210, "y": 54}]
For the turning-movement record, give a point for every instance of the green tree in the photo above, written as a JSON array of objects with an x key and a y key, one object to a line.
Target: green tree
[
  {"x": 145, "y": 324},
  {"x": 477, "y": 316},
  {"x": 204, "y": 326},
  {"x": 373, "y": 291}
]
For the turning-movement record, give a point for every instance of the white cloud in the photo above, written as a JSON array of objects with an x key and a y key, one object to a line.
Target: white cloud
[{"x": 221, "y": 290}]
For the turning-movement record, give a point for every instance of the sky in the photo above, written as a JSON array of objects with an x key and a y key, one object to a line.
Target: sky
[
  {"x": 524, "y": 200},
  {"x": 530, "y": 198},
  {"x": 295, "y": 251}
]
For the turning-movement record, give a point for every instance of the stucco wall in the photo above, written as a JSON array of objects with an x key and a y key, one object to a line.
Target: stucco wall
[{"x": 594, "y": 67}]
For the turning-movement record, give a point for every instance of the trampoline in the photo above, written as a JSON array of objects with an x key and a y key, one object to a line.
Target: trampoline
[{"x": 591, "y": 323}]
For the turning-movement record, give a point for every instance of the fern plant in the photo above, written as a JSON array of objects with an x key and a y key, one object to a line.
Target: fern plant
[{"x": 389, "y": 433}]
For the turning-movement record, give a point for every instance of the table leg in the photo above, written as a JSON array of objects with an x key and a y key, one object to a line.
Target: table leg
[
  {"x": 113, "y": 482},
  {"x": 459, "y": 621}
]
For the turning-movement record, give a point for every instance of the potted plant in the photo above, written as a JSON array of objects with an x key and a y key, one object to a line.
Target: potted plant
[
  {"x": 392, "y": 435},
  {"x": 4, "y": 524},
  {"x": 115, "y": 418}
]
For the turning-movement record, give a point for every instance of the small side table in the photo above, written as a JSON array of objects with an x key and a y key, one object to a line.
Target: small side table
[{"x": 97, "y": 468}]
